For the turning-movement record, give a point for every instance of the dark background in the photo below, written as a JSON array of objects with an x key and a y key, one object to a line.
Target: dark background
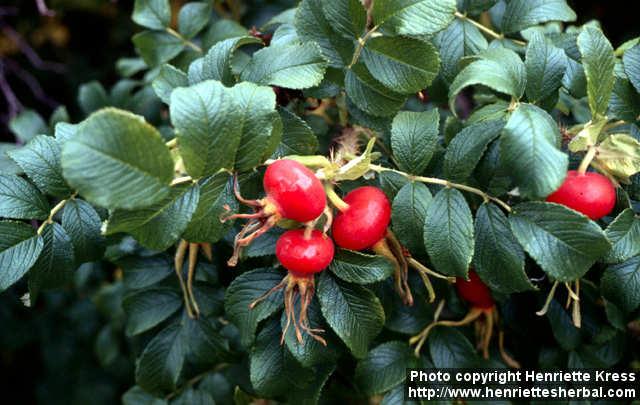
[{"x": 46, "y": 353}]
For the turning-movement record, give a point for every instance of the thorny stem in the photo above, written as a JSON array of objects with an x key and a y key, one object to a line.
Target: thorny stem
[
  {"x": 576, "y": 316},
  {"x": 424, "y": 269},
  {"x": 361, "y": 43},
  {"x": 487, "y": 30},
  {"x": 188, "y": 43},
  {"x": 443, "y": 182},
  {"x": 54, "y": 211},
  {"x": 588, "y": 158}
]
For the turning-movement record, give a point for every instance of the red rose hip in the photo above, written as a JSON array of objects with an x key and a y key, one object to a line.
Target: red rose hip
[
  {"x": 589, "y": 193},
  {"x": 474, "y": 291},
  {"x": 295, "y": 190},
  {"x": 302, "y": 255},
  {"x": 366, "y": 220}
]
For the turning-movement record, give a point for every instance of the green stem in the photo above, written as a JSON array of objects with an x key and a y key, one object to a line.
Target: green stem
[
  {"x": 335, "y": 198},
  {"x": 586, "y": 161},
  {"x": 361, "y": 43},
  {"x": 443, "y": 182},
  {"x": 188, "y": 43},
  {"x": 487, "y": 30},
  {"x": 54, "y": 211}
]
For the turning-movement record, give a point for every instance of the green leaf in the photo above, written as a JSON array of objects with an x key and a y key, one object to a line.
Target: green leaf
[
  {"x": 631, "y": 61},
  {"x": 624, "y": 234},
  {"x": 216, "y": 192},
  {"x": 157, "y": 47},
  {"x": 413, "y": 17},
  {"x": 82, "y": 223},
  {"x": 205, "y": 117},
  {"x": 310, "y": 352},
  {"x": 500, "y": 69},
  {"x": 348, "y": 18},
  {"x": 256, "y": 105},
  {"x": 448, "y": 233},
  {"x": 498, "y": 258},
  {"x": 26, "y": 125},
  {"x": 138, "y": 396},
  {"x": 245, "y": 289},
  {"x": 625, "y": 101},
  {"x": 312, "y": 26},
  {"x": 272, "y": 370},
  {"x": 294, "y": 66},
  {"x": 193, "y": 397},
  {"x": 117, "y": 160},
  {"x": 65, "y": 131},
  {"x": 414, "y": 136},
  {"x": 19, "y": 250},
  {"x": 384, "y": 367},
  {"x": 55, "y": 265},
  {"x": 161, "y": 224},
  {"x": 563, "y": 242},
  {"x": 92, "y": 96},
  {"x": 449, "y": 348},
  {"x": 467, "y": 148},
  {"x": 192, "y": 18},
  {"x": 546, "y": 65},
  {"x": 128, "y": 67},
  {"x": 599, "y": 63},
  {"x": 521, "y": 14},
  {"x": 161, "y": 362},
  {"x": 369, "y": 95},
  {"x": 404, "y": 65},
  {"x": 220, "y": 30},
  {"x": 408, "y": 213},
  {"x": 7, "y": 165},
  {"x": 154, "y": 14},
  {"x": 529, "y": 150},
  {"x": 167, "y": 80},
  {"x": 352, "y": 311},
  {"x": 459, "y": 39},
  {"x": 142, "y": 272},
  {"x": 360, "y": 268},
  {"x": 566, "y": 334},
  {"x": 147, "y": 308},
  {"x": 19, "y": 199},
  {"x": 619, "y": 154},
  {"x": 297, "y": 136},
  {"x": 621, "y": 284},
  {"x": 40, "y": 161},
  {"x": 216, "y": 64}
]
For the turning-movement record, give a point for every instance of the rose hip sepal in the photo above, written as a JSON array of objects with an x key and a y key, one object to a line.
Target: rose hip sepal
[
  {"x": 303, "y": 252},
  {"x": 483, "y": 312},
  {"x": 292, "y": 192},
  {"x": 589, "y": 193}
]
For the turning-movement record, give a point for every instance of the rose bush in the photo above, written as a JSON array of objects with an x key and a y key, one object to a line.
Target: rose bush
[{"x": 480, "y": 124}]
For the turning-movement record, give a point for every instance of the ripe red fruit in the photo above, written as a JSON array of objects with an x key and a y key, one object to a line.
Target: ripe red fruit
[
  {"x": 590, "y": 193},
  {"x": 474, "y": 291},
  {"x": 366, "y": 220},
  {"x": 295, "y": 190},
  {"x": 304, "y": 256}
]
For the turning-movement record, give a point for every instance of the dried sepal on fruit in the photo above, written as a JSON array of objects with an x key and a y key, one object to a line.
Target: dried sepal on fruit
[
  {"x": 292, "y": 192},
  {"x": 303, "y": 252},
  {"x": 483, "y": 314}
]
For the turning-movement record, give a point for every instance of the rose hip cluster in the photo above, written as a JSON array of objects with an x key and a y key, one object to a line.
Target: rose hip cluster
[{"x": 293, "y": 192}]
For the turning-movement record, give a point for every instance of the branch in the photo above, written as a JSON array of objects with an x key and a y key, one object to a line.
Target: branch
[
  {"x": 28, "y": 51},
  {"x": 54, "y": 211},
  {"x": 443, "y": 182},
  {"x": 9, "y": 95},
  {"x": 43, "y": 9},
  {"x": 184, "y": 40},
  {"x": 487, "y": 30}
]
